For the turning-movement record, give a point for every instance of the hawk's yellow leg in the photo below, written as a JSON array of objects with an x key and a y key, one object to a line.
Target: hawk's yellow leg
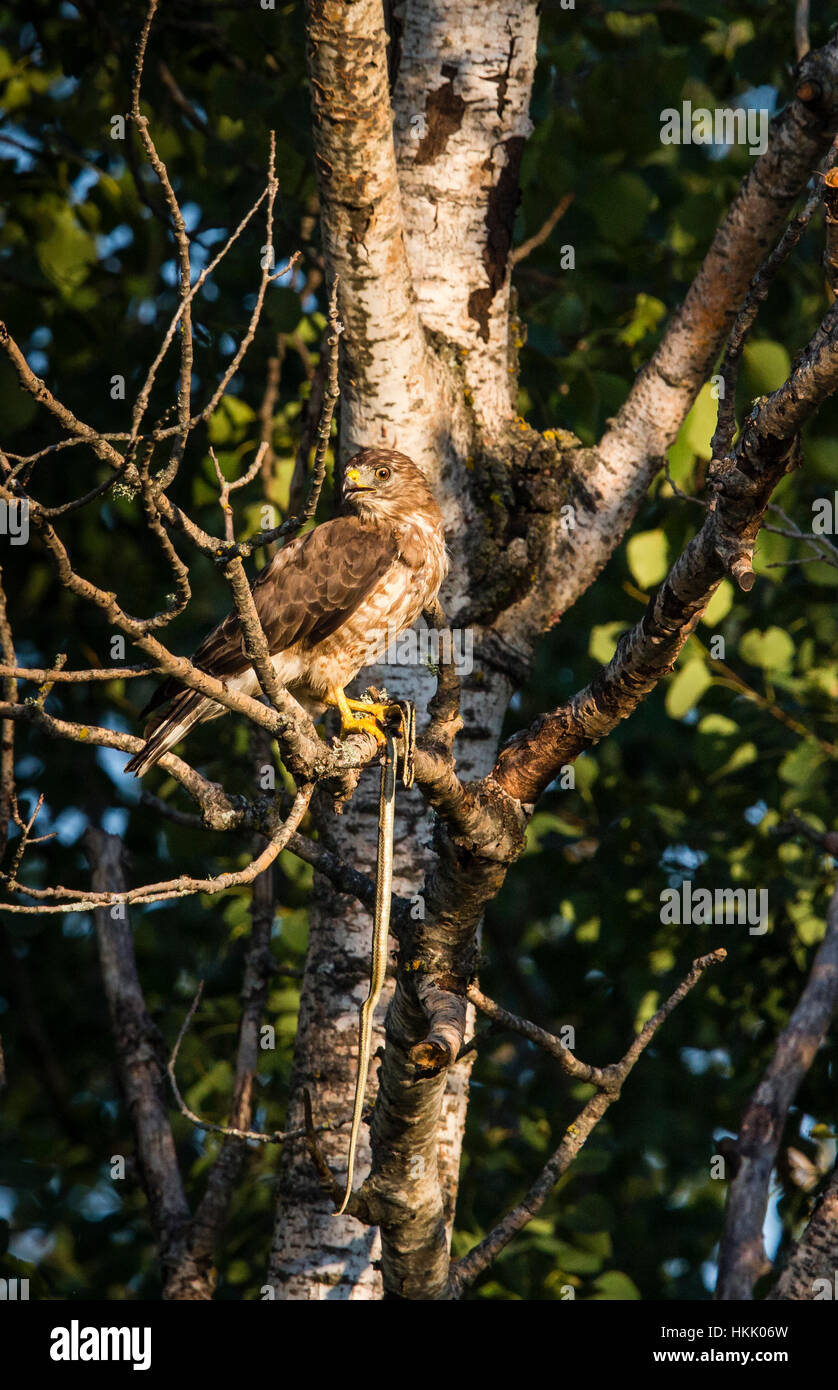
[{"x": 368, "y": 719}]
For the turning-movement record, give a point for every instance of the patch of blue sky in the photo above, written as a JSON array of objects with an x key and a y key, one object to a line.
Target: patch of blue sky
[
  {"x": 32, "y": 1245},
  {"x": 762, "y": 98},
  {"x": 112, "y": 760},
  {"x": 115, "y": 820},
  {"x": 15, "y": 144},
  {"x": 114, "y": 241},
  {"x": 210, "y": 235},
  {"x": 682, "y": 858},
  {"x": 63, "y": 87},
  {"x": 99, "y": 1202},
  {"x": 70, "y": 824},
  {"x": 699, "y": 1060},
  {"x": 75, "y": 926},
  {"x": 85, "y": 179}
]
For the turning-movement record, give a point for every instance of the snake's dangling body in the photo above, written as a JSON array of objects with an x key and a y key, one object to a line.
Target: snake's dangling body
[{"x": 381, "y": 921}]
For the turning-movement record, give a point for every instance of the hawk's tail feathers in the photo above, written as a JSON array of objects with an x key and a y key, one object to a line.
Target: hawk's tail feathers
[{"x": 187, "y": 710}]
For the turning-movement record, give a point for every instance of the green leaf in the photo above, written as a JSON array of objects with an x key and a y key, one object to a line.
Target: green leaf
[
  {"x": 804, "y": 765},
  {"x": 687, "y": 688},
  {"x": 615, "y": 1286},
  {"x": 648, "y": 557},
  {"x": 718, "y": 725},
  {"x": 620, "y": 205},
  {"x": 494, "y": 1290},
  {"x": 228, "y": 129},
  {"x": 66, "y": 254},
  {"x": 746, "y": 753},
  {"x": 543, "y": 824},
  {"x": 767, "y": 365},
  {"x": 644, "y": 319},
  {"x": 229, "y": 421},
  {"x": 719, "y": 605},
  {"x": 772, "y": 650},
  {"x": 603, "y": 640},
  {"x": 646, "y": 1008},
  {"x": 810, "y": 929},
  {"x": 697, "y": 430},
  {"x": 576, "y": 1261}
]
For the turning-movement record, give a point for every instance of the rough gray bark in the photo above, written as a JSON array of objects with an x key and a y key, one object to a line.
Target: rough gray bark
[
  {"x": 186, "y": 1243},
  {"x": 742, "y": 1258},
  {"x": 142, "y": 1063},
  {"x": 815, "y": 1257}
]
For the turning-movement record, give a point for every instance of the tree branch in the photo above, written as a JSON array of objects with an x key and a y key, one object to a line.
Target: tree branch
[
  {"x": 743, "y": 484},
  {"x": 465, "y": 1271},
  {"x": 142, "y": 1068},
  {"x": 742, "y": 1258},
  {"x": 606, "y": 484}
]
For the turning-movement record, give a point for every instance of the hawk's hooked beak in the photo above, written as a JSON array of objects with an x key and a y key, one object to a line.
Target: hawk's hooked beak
[{"x": 352, "y": 483}]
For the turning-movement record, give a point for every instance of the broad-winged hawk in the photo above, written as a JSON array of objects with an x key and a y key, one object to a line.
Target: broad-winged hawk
[{"x": 328, "y": 602}]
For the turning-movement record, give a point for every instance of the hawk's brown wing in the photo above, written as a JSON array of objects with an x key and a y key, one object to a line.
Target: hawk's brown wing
[{"x": 309, "y": 588}]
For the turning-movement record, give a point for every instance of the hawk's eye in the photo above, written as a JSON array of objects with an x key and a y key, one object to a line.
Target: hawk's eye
[{"x": 382, "y": 473}]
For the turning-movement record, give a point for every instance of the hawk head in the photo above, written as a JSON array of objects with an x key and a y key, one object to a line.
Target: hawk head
[{"x": 383, "y": 485}]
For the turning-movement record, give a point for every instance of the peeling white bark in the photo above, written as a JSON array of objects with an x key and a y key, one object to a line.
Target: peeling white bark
[
  {"x": 391, "y": 391},
  {"x": 401, "y": 390},
  {"x": 461, "y": 102}
]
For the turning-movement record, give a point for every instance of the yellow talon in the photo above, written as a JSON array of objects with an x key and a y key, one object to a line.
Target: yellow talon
[
  {"x": 369, "y": 708},
  {"x": 367, "y": 720},
  {"x": 358, "y": 724}
]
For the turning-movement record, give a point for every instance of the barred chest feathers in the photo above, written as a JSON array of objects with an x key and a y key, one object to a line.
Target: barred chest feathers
[
  {"x": 395, "y": 603},
  {"x": 412, "y": 583}
]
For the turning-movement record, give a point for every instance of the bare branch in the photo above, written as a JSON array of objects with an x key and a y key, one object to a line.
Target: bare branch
[
  {"x": 142, "y": 400},
  {"x": 801, "y": 29},
  {"x": 7, "y": 728},
  {"x": 181, "y": 240},
  {"x": 798, "y": 138},
  {"x": 226, "y": 488},
  {"x": 548, "y": 1042},
  {"x": 331, "y": 391},
  {"x": 757, "y": 292},
  {"x": 257, "y": 1136},
  {"x": 465, "y": 1271},
  {"x": 520, "y": 253},
  {"x": 830, "y": 254},
  {"x": 608, "y": 482},
  {"x": 76, "y": 900}
]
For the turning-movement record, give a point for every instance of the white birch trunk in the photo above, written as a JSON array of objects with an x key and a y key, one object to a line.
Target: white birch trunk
[{"x": 405, "y": 389}]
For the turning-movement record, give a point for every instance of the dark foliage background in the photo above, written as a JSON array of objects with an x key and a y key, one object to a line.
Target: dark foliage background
[{"x": 691, "y": 787}]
